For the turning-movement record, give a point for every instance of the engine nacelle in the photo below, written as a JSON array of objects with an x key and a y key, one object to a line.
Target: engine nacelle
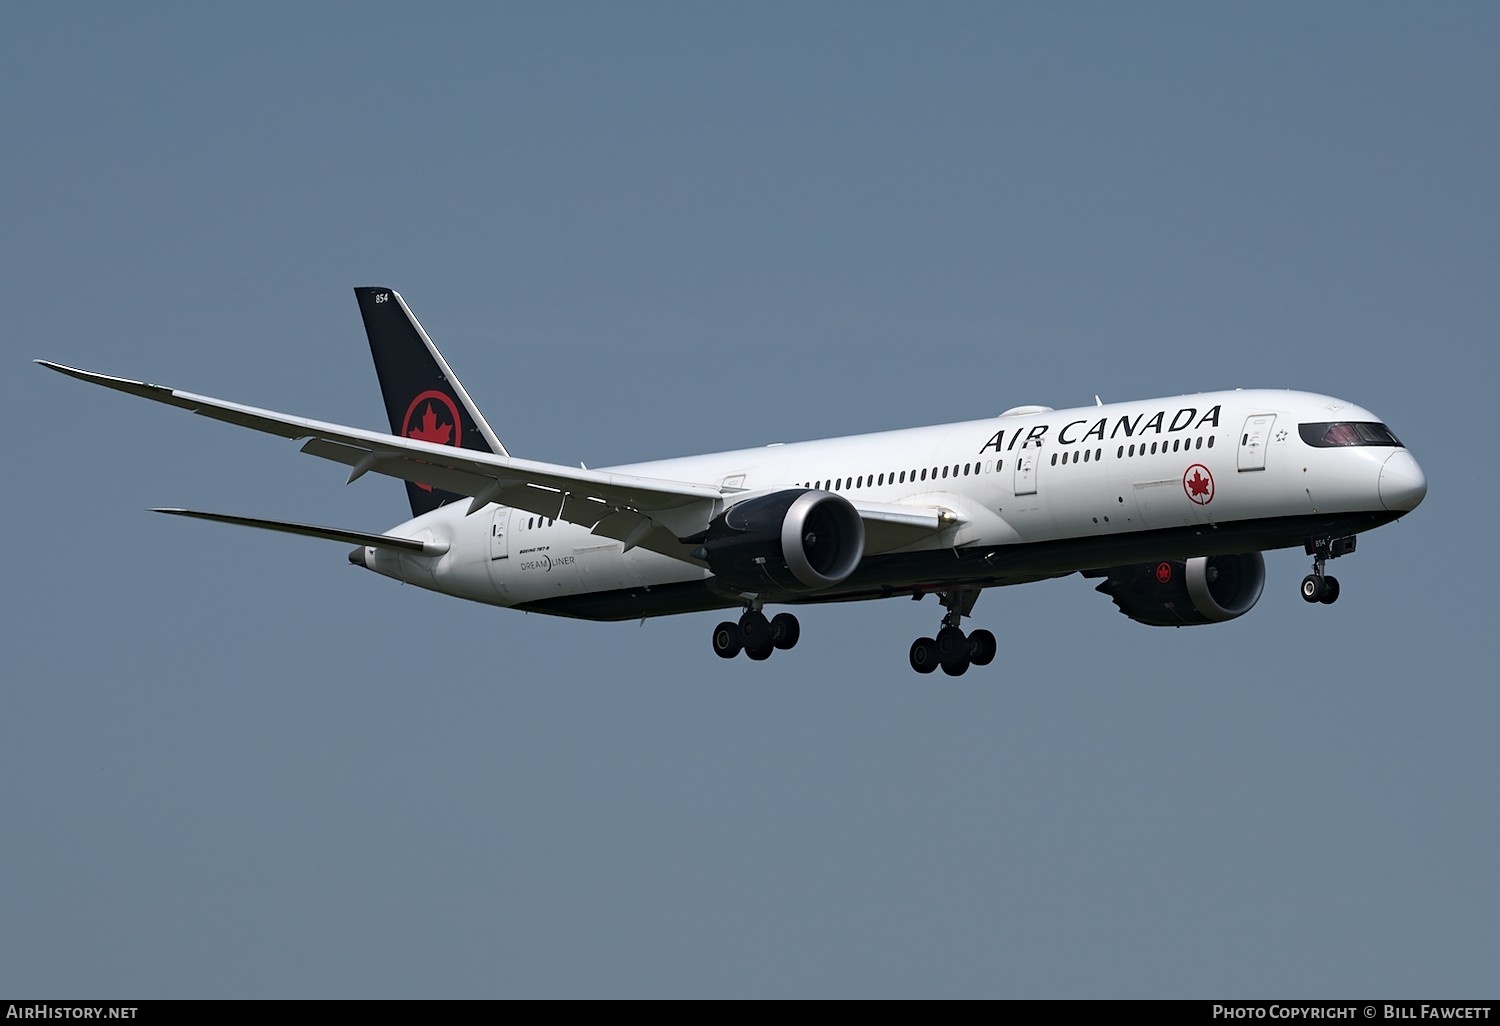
[
  {"x": 1178, "y": 593},
  {"x": 796, "y": 540}
]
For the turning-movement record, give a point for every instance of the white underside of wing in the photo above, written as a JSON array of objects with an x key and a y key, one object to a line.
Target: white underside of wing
[{"x": 890, "y": 526}]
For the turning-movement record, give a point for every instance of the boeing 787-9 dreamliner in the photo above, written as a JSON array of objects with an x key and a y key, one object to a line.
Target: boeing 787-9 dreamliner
[{"x": 1167, "y": 502}]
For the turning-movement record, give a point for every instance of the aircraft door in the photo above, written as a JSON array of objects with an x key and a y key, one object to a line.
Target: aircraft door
[
  {"x": 1026, "y": 461},
  {"x": 499, "y": 548},
  {"x": 499, "y": 560},
  {"x": 1253, "y": 441}
]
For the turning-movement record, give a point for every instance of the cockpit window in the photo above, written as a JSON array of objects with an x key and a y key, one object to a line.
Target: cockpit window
[{"x": 1326, "y": 436}]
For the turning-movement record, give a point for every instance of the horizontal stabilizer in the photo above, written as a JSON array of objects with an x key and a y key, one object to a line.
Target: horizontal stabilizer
[{"x": 384, "y": 541}]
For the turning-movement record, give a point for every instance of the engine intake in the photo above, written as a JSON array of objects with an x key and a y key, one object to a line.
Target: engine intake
[
  {"x": 1185, "y": 593},
  {"x": 795, "y": 540}
]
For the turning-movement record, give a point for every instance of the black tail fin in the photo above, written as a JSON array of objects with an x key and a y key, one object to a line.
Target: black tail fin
[{"x": 423, "y": 398}]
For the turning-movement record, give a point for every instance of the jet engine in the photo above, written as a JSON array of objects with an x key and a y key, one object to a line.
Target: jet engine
[
  {"x": 795, "y": 540},
  {"x": 1185, "y": 593}
]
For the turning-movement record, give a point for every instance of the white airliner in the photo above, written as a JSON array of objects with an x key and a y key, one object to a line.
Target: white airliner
[{"x": 1169, "y": 501}]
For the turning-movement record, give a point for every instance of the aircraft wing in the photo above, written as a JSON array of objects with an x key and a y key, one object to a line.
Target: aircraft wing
[
  {"x": 891, "y": 525},
  {"x": 652, "y": 513},
  {"x": 641, "y": 511}
]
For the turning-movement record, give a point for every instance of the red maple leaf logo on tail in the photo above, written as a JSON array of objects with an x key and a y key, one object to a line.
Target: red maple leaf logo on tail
[
  {"x": 431, "y": 431},
  {"x": 424, "y": 426}
]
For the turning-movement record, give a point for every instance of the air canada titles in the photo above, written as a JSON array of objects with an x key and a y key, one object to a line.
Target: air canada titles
[{"x": 1076, "y": 432}]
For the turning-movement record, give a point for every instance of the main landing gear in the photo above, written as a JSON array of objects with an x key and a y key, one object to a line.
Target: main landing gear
[
  {"x": 953, "y": 650},
  {"x": 1318, "y": 586},
  {"x": 756, "y": 635}
]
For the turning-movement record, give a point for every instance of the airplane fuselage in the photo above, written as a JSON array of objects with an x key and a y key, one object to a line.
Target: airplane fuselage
[{"x": 1028, "y": 495}]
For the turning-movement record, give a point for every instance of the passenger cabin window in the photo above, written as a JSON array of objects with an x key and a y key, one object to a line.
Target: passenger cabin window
[{"x": 1328, "y": 436}]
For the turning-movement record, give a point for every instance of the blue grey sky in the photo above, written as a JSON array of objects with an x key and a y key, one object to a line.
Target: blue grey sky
[{"x": 232, "y": 765}]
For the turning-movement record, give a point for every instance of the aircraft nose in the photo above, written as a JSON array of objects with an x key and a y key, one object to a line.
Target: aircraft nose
[{"x": 1402, "y": 483}]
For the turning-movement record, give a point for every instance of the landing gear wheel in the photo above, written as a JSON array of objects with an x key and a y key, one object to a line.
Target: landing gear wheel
[
  {"x": 760, "y": 654},
  {"x": 951, "y": 644},
  {"x": 1318, "y": 586},
  {"x": 1330, "y": 591},
  {"x": 924, "y": 655},
  {"x": 785, "y": 630},
  {"x": 982, "y": 647},
  {"x": 727, "y": 643},
  {"x": 755, "y": 630},
  {"x": 953, "y": 651},
  {"x": 1313, "y": 588}
]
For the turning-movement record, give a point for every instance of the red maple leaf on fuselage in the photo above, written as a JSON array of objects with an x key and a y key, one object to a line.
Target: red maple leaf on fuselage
[
  {"x": 430, "y": 431},
  {"x": 1198, "y": 484}
]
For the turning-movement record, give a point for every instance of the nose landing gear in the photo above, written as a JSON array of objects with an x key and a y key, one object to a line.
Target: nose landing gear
[{"x": 1318, "y": 586}]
